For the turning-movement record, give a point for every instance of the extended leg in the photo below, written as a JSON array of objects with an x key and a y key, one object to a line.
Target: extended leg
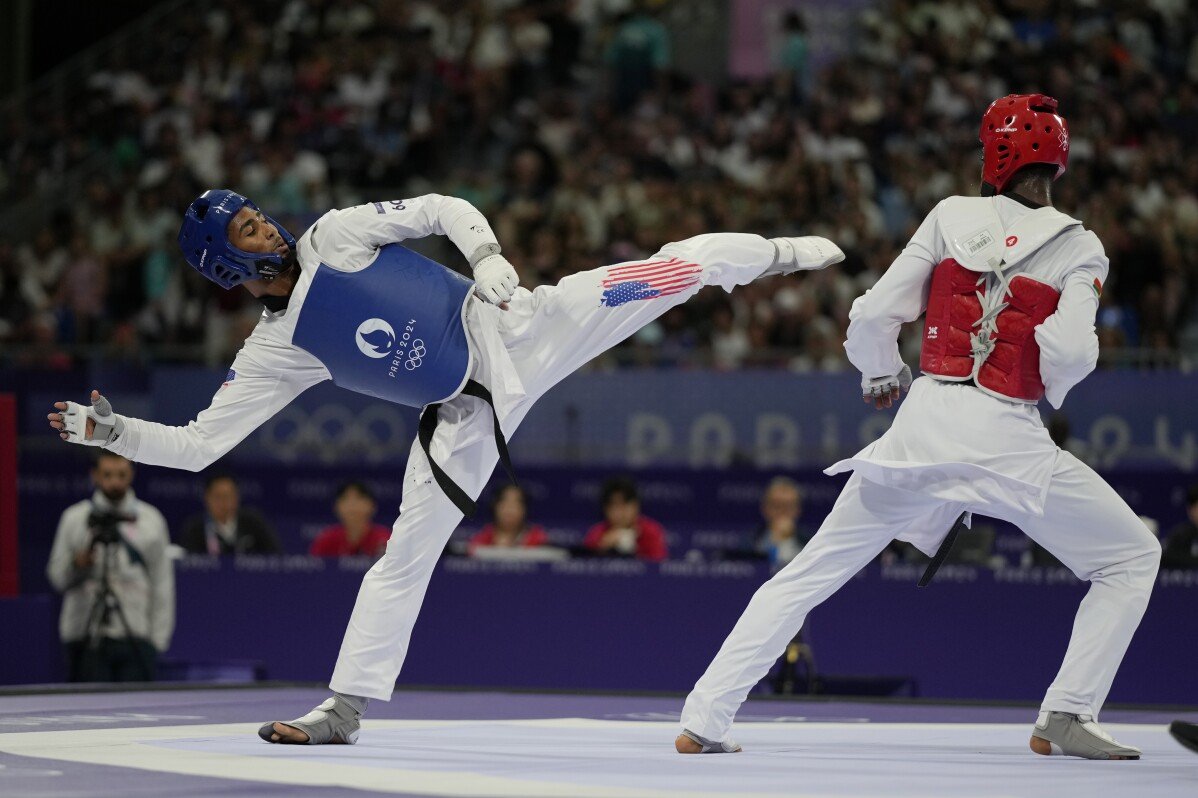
[
  {"x": 554, "y": 330},
  {"x": 1097, "y": 536},
  {"x": 865, "y": 518}
]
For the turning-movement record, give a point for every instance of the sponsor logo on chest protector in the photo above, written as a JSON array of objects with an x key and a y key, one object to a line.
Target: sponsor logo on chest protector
[{"x": 377, "y": 339}]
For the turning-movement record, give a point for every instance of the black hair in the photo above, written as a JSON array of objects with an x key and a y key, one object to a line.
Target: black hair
[
  {"x": 623, "y": 487},
  {"x": 356, "y": 485},
  {"x": 1192, "y": 496},
  {"x": 100, "y": 454},
  {"x": 497, "y": 497},
  {"x": 1044, "y": 173},
  {"x": 212, "y": 479},
  {"x": 793, "y": 21}
]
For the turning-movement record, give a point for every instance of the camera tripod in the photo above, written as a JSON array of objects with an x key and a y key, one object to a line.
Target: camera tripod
[{"x": 106, "y": 602}]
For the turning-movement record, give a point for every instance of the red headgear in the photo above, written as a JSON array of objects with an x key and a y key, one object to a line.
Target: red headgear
[{"x": 1018, "y": 130}]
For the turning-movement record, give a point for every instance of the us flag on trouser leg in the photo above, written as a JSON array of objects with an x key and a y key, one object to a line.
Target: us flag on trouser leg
[{"x": 650, "y": 280}]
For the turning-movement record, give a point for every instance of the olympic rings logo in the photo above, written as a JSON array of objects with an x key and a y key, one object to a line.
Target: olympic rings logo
[
  {"x": 415, "y": 355},
  {"x": 336, "y": 432}
]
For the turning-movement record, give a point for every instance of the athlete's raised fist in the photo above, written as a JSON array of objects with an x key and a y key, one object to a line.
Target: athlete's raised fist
[{"x": 495, "y": 279}]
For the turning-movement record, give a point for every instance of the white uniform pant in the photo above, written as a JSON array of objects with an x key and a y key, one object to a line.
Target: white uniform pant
[
  {"x": 1085, "y": 525},
  {"x": 548, "y": 333}
]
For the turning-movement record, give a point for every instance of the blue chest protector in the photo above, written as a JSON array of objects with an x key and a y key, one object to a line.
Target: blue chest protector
[{"x": 393, "y": 330}]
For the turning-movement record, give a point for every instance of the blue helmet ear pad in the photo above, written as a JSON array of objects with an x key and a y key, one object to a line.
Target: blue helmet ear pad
[{"x": 204, "y": 241}]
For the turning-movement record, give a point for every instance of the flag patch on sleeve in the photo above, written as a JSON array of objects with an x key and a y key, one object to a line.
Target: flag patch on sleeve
[
  {"x": 232, "y": 375},
  {"x": 1097, "y": 290}
]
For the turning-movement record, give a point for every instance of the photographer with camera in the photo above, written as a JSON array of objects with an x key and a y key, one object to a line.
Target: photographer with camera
[{"x": 110, "y": 560}]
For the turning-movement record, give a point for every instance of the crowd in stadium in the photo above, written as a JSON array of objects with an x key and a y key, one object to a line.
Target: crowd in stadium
[{"x": 567, "y": 125}]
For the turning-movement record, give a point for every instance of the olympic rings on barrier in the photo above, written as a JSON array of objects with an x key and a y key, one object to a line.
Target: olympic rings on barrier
[{"x": 335, "y": 432}]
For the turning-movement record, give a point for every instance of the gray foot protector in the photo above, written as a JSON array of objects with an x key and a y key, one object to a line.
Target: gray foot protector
[
  {"x": 711, "y": 746},
  {"x": 334, "y": 721},
  {"x": 1080, "y": 735}
]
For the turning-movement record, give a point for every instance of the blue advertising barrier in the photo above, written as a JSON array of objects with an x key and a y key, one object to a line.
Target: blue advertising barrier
[
  {"x": 625, "y": 625},
  {"x": 706, "y": 512},
  {"x": 640, "y": 419}
]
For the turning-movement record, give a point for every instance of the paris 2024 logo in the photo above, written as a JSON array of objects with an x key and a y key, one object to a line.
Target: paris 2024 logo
[{"x": 376, "y": 338}]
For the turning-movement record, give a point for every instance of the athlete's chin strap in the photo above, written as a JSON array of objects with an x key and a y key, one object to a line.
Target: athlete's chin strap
[{"x": 428, "y": 425}]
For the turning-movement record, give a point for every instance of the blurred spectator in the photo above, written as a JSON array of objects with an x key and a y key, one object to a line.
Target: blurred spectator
[
  {"x": 572, "y": 128},
  {"x": 15, "y": 307},
  {"x": 225, "y": 527},
  {"x": 357, "y": 534},
  {"x": 509, "y": 525},
  {"x": 624, "y": 532},
  {"x": 791, "y": 60},
  {"x": 638, "y": 55},
  {"x": 111, "y": 562},
  {"x": 42, "y": 263},
  {"x": 781, "y": 507},
  {"x": 1181, "y": 546}
]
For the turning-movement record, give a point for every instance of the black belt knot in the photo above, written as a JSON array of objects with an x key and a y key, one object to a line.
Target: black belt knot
[{"x": 428, "y": 425}]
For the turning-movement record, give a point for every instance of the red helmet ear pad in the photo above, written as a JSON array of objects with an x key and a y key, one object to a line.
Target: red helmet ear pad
[{"x": 1018, "y": 130}]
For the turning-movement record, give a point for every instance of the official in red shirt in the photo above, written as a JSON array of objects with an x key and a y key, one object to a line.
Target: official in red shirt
[
  {"x": 357, "y": 534},
  {"x": 624, "y": 532},
  {"x": 509, "y": 523}
]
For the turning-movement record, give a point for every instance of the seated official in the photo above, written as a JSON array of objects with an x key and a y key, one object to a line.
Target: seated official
[
  {"x": 226, "y": 527},
  {"x": 509, "y": 527},
  {"x": 778, "y": 539},
  {"x": 357, "y": 534},
  {"x": 1181, "y": 546},
  {"x": 624, "y": 532}
]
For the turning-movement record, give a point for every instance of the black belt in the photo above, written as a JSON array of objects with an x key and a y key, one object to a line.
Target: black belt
[
  {"x": 942, "y": 552},
  {"x": 428, "y": 425}
]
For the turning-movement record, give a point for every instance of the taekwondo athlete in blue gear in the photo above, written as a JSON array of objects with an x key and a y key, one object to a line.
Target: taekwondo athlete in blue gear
[{"x": 345, "y": 302}]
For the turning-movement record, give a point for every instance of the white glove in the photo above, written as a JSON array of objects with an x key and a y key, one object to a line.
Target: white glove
[
  {"x": 108, "y": 428},
  {"x": 882, "y": 391},
  {"x": 495, "y": 279}
]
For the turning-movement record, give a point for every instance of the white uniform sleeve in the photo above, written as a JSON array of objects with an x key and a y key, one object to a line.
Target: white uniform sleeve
[
  {"x": 239, "y": 407},
  {"x": 899, "y": 296},
  {"x": 346, "y": 239},
  {"x": 1068, "y": 342}
]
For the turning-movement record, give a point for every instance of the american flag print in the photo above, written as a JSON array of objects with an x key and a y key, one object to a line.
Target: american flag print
[
  {"x": 636, "y": 281},
  {"x": 232, "y": 375}
]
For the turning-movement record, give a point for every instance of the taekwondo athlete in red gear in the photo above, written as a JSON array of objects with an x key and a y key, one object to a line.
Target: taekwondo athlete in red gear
[
  {"x": 346, "y": 302},
  {"x": 1010, "y": 289}
]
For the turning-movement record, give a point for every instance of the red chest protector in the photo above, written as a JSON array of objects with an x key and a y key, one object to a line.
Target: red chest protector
[{"x": 999, "y": 354}]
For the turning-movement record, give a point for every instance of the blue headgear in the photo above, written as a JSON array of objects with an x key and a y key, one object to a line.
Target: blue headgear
[{"x": 204, "y": 239}]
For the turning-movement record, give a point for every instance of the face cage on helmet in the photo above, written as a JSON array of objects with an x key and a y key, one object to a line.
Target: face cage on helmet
[{"x": 235, "y": 266}]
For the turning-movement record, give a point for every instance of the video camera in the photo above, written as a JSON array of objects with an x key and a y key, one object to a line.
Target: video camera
[{"x": 105, "y": 526}]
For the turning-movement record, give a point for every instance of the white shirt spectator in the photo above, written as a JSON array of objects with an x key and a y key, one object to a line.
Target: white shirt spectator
[{"x": 143, "y": 576}]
